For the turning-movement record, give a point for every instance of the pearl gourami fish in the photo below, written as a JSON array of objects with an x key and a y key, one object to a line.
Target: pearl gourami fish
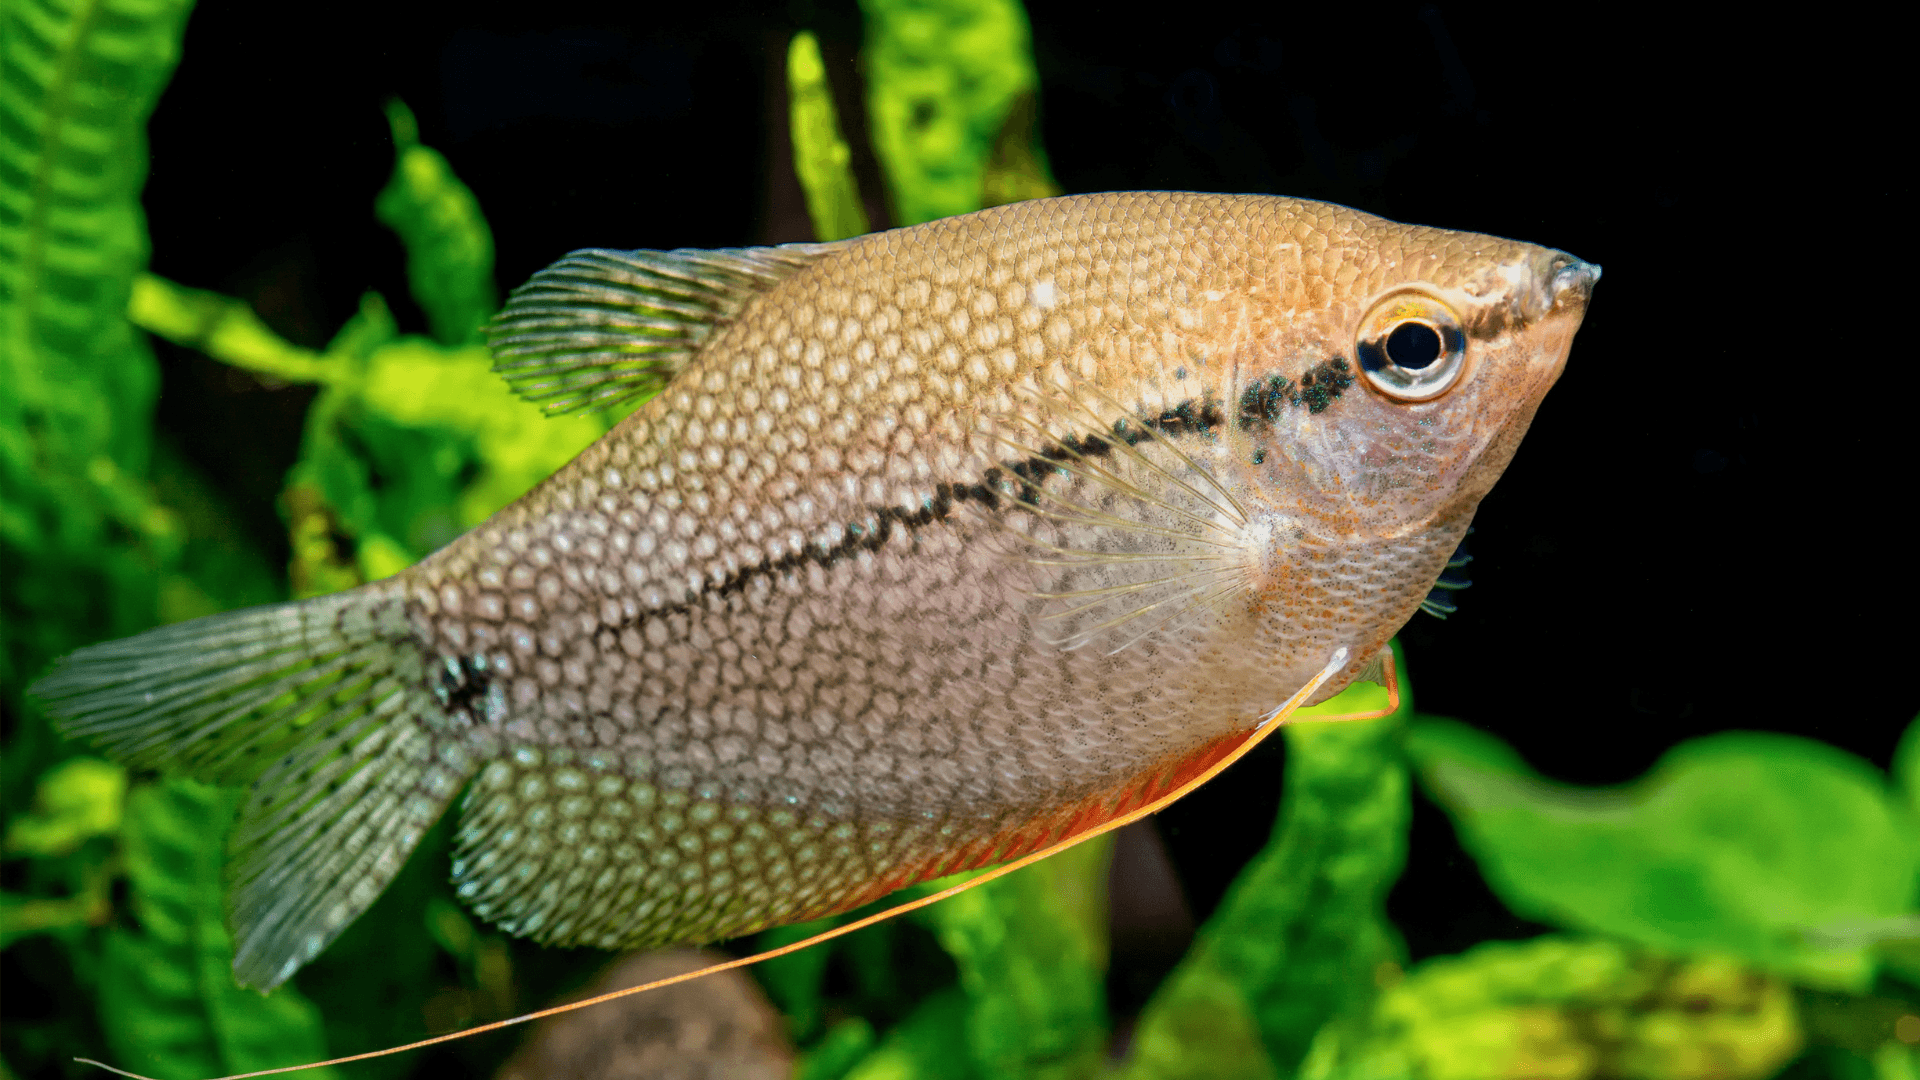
[{"x": 935, "y": 546}]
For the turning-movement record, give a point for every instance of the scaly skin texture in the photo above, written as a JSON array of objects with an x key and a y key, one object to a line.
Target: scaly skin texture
[{"x": 874, "y": 590}]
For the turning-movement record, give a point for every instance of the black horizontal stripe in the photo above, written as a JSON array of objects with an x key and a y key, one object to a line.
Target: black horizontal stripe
[{"x": 462, "y": 685}]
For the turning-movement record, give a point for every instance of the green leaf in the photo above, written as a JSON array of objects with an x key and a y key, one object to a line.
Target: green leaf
[
  {"x": 23, "y": 916},
  {"x": 80, "y": 535},
  {"x": 167, "y": 996},
  {"x": 843, "y": 1046},
  {"x": 931, "y": 1044},
  {"x": 1302, "y": 934},
  {"x": 1765, "y": 847},
  {"x": 222, "y": 327},
  {"x": 365, "y": 330},
  {"x": 943, "y": 79},
  {"x": 449, "y": 246},
  {"x": 1032, "y": 952},
  {"x": 1200, "y": 1025},
  {"x": 1017, "y": 167},
  {"x": 1559, "y": 1007},
  {"x": 413, "y": 444},
  {"x": 1906, "y": 767},
  {"x": 820, "y": 155},
  {"x": 78, "y": 799},
  {"x": 1897, "y": 1062}
]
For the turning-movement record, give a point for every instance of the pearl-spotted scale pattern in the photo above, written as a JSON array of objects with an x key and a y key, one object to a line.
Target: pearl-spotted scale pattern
[
  {"x": 588, "y": 849},
  {"x": 804, "y": 591},
  {"x": 944, "y": 544},
  {"x": 573, "y": 847}
]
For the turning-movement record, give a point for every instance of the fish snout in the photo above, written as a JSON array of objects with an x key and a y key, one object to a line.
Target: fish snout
[{"x": 1571, "y": 285}]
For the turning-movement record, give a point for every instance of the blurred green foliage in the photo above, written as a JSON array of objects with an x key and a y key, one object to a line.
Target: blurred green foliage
[
  {"x": 449, "y": 247},
  {"x": 412, "y": 440},
  {"x": 114, "y": 895},
  {"x": 168, "y": 1001},
  {"x": 84, "y": 544},
  {"x": 1906, "y": 767},
  {"x": 1032, "y": 952},
  {"x": 1751, "y": 896},
  {"x": 951, "y": 92},
  {"x": 821, "y": 157},
  {"x": 77, "y": 800},
  {"x": 1769, "y": 848},
  {"x": 1566, "y": 1007}
]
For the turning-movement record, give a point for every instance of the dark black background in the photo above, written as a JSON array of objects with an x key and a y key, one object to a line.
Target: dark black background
[{"x": 1701, "y": 531}]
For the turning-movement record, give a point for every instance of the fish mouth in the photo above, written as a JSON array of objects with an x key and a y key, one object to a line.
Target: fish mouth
[{"x": 1571, "y": 285}]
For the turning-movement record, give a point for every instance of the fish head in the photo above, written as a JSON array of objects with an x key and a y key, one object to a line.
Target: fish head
[
  {"x": 1400, "y": 369},
  {"x": 1464, "y": 358},
  {"x": 1420, "y": 362}
]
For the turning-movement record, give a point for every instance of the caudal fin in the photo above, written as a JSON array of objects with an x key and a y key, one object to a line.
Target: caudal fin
[{"x": 322, "y": 709}]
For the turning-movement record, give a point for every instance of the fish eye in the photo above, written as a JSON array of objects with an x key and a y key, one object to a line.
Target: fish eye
[
  {"x": 1410, "y": 346},
  {"x": 1413, "y": 345}
]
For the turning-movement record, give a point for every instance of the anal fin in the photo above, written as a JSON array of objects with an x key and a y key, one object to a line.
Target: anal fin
[{"x": 504, "y": 780}]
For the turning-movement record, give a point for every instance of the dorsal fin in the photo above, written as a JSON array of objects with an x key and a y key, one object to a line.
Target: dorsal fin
[{"x": 601, "y": 327}]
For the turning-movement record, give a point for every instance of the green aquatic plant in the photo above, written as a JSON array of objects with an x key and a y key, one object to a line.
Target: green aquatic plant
[
  {"x": 1770, "y": 848},
  {"x": 412, "y": 440},
  {"x": 1778, "y": 857},
  {"x": 951, "y": 88},
  {"x": 1566, "y": 1007},
  {"x": 168, "y": 1001},
  {"x": 84, "y": 542},
  {"x": 1752, "y": 896},
  {"x": 449, "y": 246},
  {"x": 1302, "y": 935},
  {"x": 821, "y": 158}
]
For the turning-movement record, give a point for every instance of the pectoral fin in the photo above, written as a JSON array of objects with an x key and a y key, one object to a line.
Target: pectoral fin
[{"x": 1439, "y": 600}]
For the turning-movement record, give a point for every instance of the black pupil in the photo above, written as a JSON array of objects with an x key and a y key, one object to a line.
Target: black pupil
[{"x": 1413, "y": 345}]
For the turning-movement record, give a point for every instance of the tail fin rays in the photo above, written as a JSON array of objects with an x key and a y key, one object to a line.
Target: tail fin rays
[{"x": 322, "y": 708}]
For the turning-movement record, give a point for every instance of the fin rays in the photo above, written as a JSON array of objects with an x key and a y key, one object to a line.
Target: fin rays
[
  {"x": 602, "y": 327},
  {"x": 1231, "y": 507},
  {"x": 322, "y": 706},
  {"x": 1074, "y": 462},
  {"x": 1192, "y": 600},
  {"x": 1137, "y": 537},
  {"x": 1439, "y": 600}
]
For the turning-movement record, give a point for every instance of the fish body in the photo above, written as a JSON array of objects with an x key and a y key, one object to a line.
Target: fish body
[{"x": 940, "y": 544}]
